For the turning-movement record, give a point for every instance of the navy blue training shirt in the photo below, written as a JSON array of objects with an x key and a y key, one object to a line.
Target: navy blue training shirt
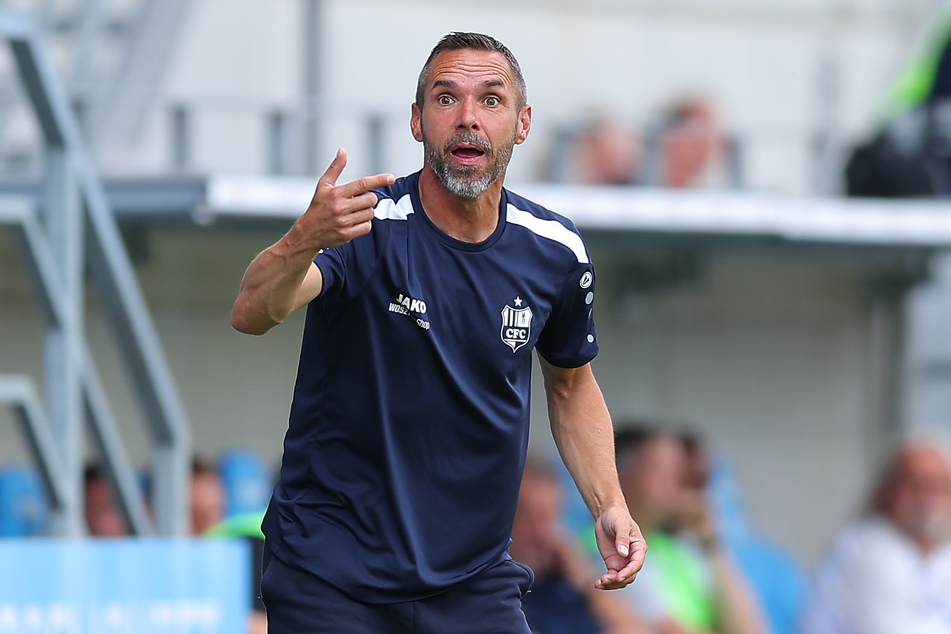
[{"x": 409, "y": 425}]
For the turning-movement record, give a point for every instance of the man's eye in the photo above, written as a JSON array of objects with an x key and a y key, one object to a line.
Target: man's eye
[
  {"x": 444, "y": 100},
  {"x": 491, "y": 101}
]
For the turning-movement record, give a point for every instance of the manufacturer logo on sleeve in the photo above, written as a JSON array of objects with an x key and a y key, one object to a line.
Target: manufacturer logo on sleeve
[{"x": 516, "y": 325}]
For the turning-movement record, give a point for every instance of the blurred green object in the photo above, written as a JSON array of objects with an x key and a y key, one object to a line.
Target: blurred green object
[
  {"x": 243, "y": 525},
  {"x": 928, "y": 75},
  {"x": 684, "y": 582}
]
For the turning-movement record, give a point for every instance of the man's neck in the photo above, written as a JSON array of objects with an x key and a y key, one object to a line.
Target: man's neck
[
  {"x": 925, "y": 544},
  {"x": 465, "y": 219}
]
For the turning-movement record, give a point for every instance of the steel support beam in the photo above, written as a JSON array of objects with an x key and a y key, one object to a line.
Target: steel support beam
[
  {"x": 18, "y": 392},
  {"x": 80, "y": 228}
]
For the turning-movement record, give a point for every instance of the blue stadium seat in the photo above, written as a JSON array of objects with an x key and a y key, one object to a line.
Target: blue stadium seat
[
  {"x": 777, "y": 577},
  {"x": 24, "y": 508},
  {"x": 246, "y": 480}
]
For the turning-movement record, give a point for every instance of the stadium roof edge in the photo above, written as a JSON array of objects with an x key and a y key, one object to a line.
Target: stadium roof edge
[{"x": 206, "y": 199}]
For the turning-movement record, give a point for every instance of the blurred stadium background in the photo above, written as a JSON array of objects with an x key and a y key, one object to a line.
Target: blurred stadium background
[{"x": 798, "y": 328}]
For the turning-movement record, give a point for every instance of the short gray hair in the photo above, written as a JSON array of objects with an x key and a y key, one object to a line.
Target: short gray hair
[{"x": 462, "y": 41}]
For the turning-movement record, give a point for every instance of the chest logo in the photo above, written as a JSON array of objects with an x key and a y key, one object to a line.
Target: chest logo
[
  {"x": 414, "y": 308},
  {"x": 516, "y": 325}
]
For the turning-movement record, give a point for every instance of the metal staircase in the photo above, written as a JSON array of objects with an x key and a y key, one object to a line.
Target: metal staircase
[
  {"x": 71, "y": 231},
  {"x": 110, "y": 56}
]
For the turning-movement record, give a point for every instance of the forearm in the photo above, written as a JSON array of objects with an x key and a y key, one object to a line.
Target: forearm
[
  {"x": 581, "y": 426},
  {"x": 273, "y": 286},
  {"x": 284, "y": 277},
  {"x": 582, "y": 430}
]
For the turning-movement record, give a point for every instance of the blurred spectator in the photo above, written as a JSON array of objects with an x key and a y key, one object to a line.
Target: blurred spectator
[
  {"x": 103, "y": 517},
  {"x": 690, "y": 582},
  {"x": 207, "y": 496},
  {"x": 908, "y": 154},
  {"x": 890, "y": 572},
  {"x": 563, "y": 599},
  {"x": 607, "y": 153},
  {"x": 692, "y": 146},
  {"x": 777, "y": 578},
  {"x": 881, "y": 168}
]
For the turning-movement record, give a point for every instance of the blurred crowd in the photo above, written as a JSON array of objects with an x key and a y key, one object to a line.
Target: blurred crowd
[
  {"x": 707, "y": 570},
  {"x": 227, "y": 499},
  {"x": 687, "y": 147}
]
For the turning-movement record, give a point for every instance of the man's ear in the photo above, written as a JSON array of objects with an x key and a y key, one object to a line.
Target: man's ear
[
  {"x": 524, "y": 124},
  {"x": 416, "y": 124}
]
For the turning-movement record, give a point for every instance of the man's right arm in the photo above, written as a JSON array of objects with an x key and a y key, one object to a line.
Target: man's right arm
[
  {"x": 283, "y": 277},
  {"x": 277, "y": 283}
]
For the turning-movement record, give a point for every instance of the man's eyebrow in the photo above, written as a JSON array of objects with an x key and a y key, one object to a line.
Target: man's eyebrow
[{"x": 489, "y": 83}]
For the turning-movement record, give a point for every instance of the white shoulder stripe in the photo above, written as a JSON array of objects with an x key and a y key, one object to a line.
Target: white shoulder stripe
[
  {"x": 387, "y": 209},
  {"x": 551, "y": 229}
]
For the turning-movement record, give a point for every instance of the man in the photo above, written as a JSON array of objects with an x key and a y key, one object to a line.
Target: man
[
  {"x": 891, "y": 571},
  {"x": 207, "y": 496},
  {"x": 562, "y": 600},
  {"x": 409, "y": 424},
  {"x": 103, "y": 518},
  {"x": 693, "y": 585},
  {"x": 693, "y": 147}
]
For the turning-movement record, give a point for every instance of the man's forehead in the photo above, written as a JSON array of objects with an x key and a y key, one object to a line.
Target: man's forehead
[
  {"x": 916, "y": 459},
  {"x": 483, "y": 66}
]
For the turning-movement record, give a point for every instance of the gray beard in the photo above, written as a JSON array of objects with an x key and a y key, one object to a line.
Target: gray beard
[
  {"x": 465, "y": 181},
  {"x": 930, "y": 526}
]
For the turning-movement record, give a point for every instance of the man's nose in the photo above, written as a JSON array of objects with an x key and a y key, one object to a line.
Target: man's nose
[{"x": 468, "y": 115}]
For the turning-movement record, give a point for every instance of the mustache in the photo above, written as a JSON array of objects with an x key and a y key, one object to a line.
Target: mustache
[{"x": 469, "y": 137}]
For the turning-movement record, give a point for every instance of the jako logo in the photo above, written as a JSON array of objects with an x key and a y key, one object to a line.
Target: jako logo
[
  {"x": 416, "y": 306},
  {"x": 411, "y": 308}
]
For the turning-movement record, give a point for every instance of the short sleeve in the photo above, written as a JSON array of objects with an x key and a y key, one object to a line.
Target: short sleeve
[
  {"x": 569, "y": 339},
  {"x": 347, "y": 268}
]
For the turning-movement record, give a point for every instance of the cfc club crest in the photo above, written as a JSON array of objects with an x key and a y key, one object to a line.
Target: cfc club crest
[{"x": 516, "y": 325}]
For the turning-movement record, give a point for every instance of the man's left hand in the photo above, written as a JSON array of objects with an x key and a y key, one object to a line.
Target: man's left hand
[{"x": 622, "y": 546}]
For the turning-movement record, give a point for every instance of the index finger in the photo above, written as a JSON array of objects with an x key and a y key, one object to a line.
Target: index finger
[
  {"x": 365, "y": 184},
  {"x": 610, "y": 582}
]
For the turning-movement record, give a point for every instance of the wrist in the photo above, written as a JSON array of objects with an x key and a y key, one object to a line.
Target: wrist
[
  {"x": 608, "y": 504},
  {"x": 295, "y": 248}
]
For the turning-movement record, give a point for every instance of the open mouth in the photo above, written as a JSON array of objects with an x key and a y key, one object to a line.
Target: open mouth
[{"x": 467, "y": 153}]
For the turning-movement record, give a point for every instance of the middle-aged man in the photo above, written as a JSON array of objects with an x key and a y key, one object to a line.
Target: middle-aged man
[
  {"x": 693, "y": 585},
  {"x": 409, "y": 424},
  {"x": 890, "y": 572}
]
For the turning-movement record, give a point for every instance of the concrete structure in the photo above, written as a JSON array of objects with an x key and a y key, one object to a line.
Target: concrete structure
[{"x": 783, "y": 347}]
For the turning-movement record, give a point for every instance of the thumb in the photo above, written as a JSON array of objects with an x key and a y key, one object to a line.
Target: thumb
[
  {"x": 622, "y": 543},
  {"x": 335, "y": 170}
]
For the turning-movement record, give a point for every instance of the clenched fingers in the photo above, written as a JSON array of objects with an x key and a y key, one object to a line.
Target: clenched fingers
[{"x": 338, "y": 214}]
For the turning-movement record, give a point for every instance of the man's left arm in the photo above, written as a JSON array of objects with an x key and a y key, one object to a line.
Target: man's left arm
[{"x": 582, "y": 429}]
